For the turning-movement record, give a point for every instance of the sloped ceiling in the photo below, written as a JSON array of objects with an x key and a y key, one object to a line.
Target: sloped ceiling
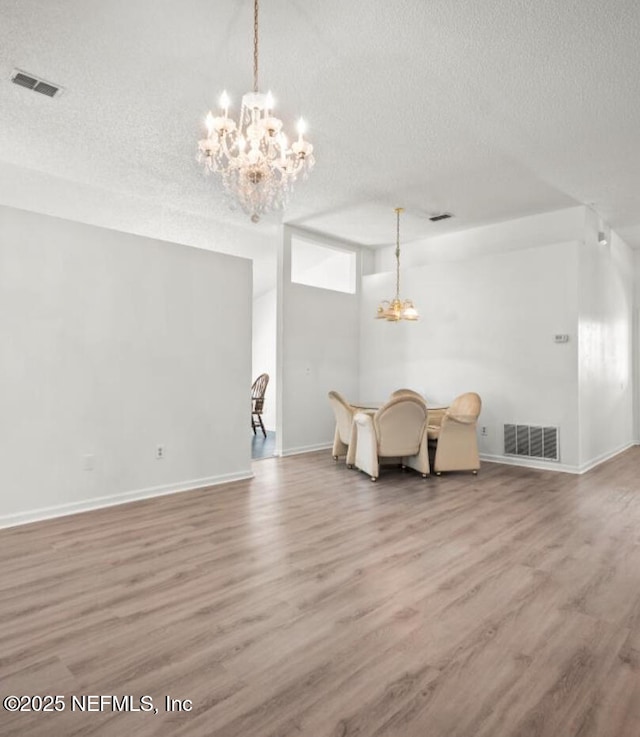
[{"x": 490, "y": 110}]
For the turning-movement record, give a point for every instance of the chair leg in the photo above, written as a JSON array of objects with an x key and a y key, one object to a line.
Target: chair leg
[
  {"x": 264, "y": 432},
  {"x": 253, "y": 425}
]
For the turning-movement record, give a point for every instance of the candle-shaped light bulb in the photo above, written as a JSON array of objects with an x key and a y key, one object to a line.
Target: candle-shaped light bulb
[
  {"x": 301, "y": 127},
  {"x": 241, "y": 144},
  {"x": 224, "y": 103},
  {"x": 209, "y": 123},
  {"x": 269, "y": 103}
]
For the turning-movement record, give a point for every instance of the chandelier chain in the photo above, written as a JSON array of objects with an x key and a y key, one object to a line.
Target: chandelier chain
[
  {"x": 255, "y": 45},
  {"x": 397, "y": 309}
]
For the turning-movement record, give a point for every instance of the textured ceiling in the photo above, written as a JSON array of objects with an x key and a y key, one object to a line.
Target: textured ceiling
[{"x": 490, "y": 110}]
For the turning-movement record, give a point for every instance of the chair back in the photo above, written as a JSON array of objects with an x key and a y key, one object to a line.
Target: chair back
[
  {"x": 400, "y": 425},
  {"x": 258, "y": 389},
  {"x": 343, "y": 413},
  {"x": 466, "y": 408},
  {"x": 407, "y": 392}
]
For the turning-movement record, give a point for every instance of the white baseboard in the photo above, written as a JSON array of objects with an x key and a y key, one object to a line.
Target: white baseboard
[
  {"x": 605, "y": 457},
  {"x": 306, "y": 449},
  {"x": 554, "y": 465},
  {"x": 62, "y": 510},
  {"x": 529, "y": 463}
]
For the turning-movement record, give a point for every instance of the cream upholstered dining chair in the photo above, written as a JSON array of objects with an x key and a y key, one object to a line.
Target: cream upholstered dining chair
[
  {"x": 397, "y": 430},
  {"x": 455, "y": 439},
  {"x": 344, "y": 414},
  {"x": 435, "y": 415},
  {"x": 409, "y": 392}
]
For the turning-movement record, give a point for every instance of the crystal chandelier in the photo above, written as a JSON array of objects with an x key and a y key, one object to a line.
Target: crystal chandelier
[
  {"x": 256, "y": 163},
  {"x": 397, "y": 309}
]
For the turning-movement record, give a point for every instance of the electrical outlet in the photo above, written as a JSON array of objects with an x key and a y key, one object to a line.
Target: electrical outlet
[
  {"x": 484, "y": 431},
  {"x": 160, "y": 452},
  {"x": 88, "y": 462}
]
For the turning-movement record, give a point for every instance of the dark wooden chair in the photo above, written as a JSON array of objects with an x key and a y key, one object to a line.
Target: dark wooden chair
[{"x": 258, "y": 390}]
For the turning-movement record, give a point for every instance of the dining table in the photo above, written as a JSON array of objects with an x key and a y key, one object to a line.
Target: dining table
[{"x": 435, "y": 410}]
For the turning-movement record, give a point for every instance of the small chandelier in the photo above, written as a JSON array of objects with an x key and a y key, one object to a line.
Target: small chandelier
[
  {"x": 397, "y": 309},
  {"x": 256, "y": 163}
]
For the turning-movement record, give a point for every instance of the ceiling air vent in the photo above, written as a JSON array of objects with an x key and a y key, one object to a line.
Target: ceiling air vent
[
  {"x": 441, "y": 216},
  {"x": 33, "y": 83}
]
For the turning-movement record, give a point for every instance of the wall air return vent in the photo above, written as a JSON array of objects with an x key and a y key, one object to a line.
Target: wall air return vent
[
  {"x": 440, "y": 216},
  {"x": 23, "y": 79},
  {"x": 531, "y": 441}
]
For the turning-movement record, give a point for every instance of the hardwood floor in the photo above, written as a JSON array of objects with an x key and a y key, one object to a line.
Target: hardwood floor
[{"x": 311, "y": 602}]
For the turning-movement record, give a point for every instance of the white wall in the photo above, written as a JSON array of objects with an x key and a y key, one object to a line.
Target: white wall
[
  {"x": 264, "y": 351},
  {"x": 110, "y": 344},
  {"x": 487, "y": 325},
  {"x": 606, "y": 365},
  {"x": 636, "y": 348},
  {"x": 38, "y": 191},
  {"x": 317, "y": 351}
]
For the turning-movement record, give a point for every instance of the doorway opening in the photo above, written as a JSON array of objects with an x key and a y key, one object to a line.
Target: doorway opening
[{"x": 263, "y": 421}]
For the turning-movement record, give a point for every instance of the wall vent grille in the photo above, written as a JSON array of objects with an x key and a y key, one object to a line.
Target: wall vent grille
[
  {"x": 532, "y": 441},
  {"x": 440, "y": 216},
  {"x": 33, "y": 83}
]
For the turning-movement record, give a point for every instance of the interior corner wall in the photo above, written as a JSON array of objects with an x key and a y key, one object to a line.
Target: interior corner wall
[
  {"x": 110, "y": 345},
  {"x": 606, "y": 343},
  {"x": 487, "y": 325},
  {"x": 264, "y": 351},
  {"x": 318, "y": 331}
]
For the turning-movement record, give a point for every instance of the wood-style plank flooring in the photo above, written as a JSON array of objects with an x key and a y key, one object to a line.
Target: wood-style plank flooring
[{"x": 310, "y": 602}]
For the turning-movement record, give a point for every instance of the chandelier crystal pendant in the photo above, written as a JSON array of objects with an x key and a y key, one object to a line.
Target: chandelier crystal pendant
[
  {"x": 256, "y": 164},
  {"x": 397, "y": 309}
]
